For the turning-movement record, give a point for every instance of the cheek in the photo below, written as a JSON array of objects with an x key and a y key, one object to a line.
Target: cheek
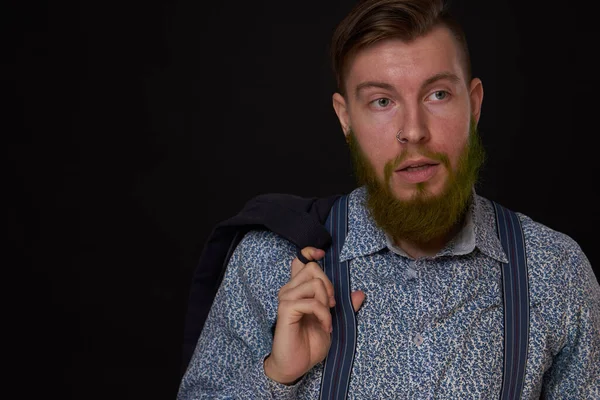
[
  {"x": 377, "y": 141},
  {"x": 450, "y": 134},
  {"x": 453, "y": 146},
  {"x": 378, "y": 150}
]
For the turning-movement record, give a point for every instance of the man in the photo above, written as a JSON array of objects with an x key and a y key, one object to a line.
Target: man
[{"x": 423, "y": 248}]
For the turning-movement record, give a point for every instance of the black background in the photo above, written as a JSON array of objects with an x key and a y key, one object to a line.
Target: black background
[{"x": 136, "y": 126}]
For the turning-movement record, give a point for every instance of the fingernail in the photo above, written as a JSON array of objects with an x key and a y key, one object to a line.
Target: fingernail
[{"x": 331, "y": 301}]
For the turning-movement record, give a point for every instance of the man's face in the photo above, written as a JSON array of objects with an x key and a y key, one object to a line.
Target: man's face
[
  {"x": 424, "y": 218},
  {"x": 419, "y": 88}
]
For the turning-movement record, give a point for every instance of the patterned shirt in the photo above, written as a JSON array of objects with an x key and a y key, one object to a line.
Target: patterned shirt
[{"x": 429, "y": 328}]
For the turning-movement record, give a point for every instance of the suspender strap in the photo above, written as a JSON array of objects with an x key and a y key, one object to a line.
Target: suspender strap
[
  {"x": 338, "y": 364},
  {"x": 516, "y": 303}
]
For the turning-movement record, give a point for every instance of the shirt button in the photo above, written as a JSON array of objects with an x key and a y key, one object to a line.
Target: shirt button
[
  {"x": 411, "y": 273},
  {"x": 418, "y": 339}
]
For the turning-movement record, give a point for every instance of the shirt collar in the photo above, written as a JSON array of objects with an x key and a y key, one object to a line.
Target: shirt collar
[{"x": 365, "y": 237}]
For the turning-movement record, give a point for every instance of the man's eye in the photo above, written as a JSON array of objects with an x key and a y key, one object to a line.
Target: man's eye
[
  {"x": 438, "y": 95},
  {"x": 383, "y": 102}
]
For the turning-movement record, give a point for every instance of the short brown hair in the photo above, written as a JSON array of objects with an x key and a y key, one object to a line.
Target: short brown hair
[{"x": 373, "y": 20}]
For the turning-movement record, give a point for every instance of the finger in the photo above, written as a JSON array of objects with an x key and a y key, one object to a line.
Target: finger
[
  {"x": 315, "y": 288},
  {"x": 291, "y": 312},
  {"x": 357, "y": 298},
  {"x": 311, "y": 271},
  {"x": 301, "y": 257},
  {"x": 310, "y": 254}
]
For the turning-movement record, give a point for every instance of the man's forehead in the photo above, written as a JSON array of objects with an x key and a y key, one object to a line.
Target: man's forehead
[{"x": 417, "y": 60}]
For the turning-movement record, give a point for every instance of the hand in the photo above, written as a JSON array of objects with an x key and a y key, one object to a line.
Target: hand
[{"x": 303, "y": 331}]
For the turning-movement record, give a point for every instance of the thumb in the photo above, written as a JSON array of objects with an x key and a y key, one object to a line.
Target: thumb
[{"x": 357, "y": 299}]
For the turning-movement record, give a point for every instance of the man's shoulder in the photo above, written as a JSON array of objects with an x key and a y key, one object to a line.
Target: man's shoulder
[
  {"x": 557, "y": 265},
  {"x": 265, "y": 244},
  {"x": 546, "y": 244},
  {"x": 262, "y": 261},
  {"x": 275, "y": 222},
  {"x": 555, "y": 261},
  {"x": 267, "y": 250},
  {"x": 542, "y": 241}
]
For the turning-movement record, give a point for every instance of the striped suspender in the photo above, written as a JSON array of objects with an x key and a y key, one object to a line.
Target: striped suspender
[
  {"x": 338, "y": 364},
  {"x": 516, "y": 303}
]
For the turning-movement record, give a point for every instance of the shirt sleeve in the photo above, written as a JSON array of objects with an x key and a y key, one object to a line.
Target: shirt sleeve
[
  {"x": 237, "y": 336},
  {"x": 575, "y": 372}
]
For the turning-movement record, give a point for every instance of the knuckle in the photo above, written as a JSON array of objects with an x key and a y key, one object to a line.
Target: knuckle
[
  {"x": 326, "y": 281},
  {"x": 314, "y": 268},
  {"x": 315, "y": 304},
  {"x": 318, "y": 284},
  {"x": 329, "y": 285}
]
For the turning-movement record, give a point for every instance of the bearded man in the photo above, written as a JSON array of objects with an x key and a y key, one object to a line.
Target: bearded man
[{"x": 422, "y": 247}]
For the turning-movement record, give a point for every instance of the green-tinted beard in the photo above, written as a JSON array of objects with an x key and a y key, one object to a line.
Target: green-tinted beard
[{"x": 424, "y": 217}]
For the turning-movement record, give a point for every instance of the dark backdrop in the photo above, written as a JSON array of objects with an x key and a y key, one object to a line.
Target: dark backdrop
[{"x": 137, "y": 126}]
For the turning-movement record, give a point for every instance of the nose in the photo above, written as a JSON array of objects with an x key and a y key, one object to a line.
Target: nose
[{"x": 413, "y": 127}]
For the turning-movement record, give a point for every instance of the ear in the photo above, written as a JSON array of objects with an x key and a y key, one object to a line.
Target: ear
[
  {"x": 341, "y": 110},
  {"x": 476, "y": 97}
]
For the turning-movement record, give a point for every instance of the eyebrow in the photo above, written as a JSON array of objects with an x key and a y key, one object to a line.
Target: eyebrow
[
  {"x": 441, "y": 76},
  {"x": 372, "y": 84},
  {"x": 383, "y": 85}
]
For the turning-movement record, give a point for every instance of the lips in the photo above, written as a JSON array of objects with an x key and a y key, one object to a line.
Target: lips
[
  {"x": 416, "y": 165},
  {"x": 417, "y": 171}
]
